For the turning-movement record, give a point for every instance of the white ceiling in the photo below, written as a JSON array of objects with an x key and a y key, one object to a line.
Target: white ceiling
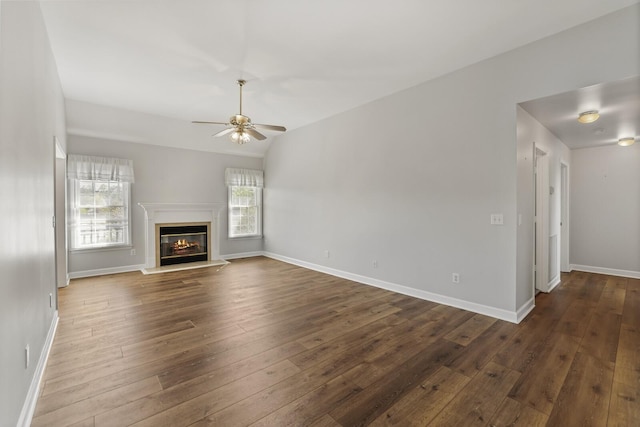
[
  {"x": 304, "y": 60},
  {"x": 617, "y": 102}
]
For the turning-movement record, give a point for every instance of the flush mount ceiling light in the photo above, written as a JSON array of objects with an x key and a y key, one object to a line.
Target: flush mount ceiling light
[
  {"x": 625, "y": 142},
  {"x": 588, "y": 116}
]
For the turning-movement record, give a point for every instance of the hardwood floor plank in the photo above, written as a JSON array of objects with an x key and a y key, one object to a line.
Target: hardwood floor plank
[
  {"x": 121, "y": 338},
  {"x": 343, "y": 324},
  {"x": 408, "y": 339},
  {"x": 575, "y": 320},
  {"x": 325, "y": 421},
  {"x": 306, "y": 409},
  {"x": 513, "y": 413},
  {"x": 470, "y": 330},
  {"x": 613, "y": 295},
  {"x": 477, "y": 403},
  {"x": 78, "y": 411},
  {"x": 630, "y": 311},
  {"x": 421, "y": 405},
  {"x": 526, "y": 344},
  {"x": 627, "y": 367},
  {"x": 352, "y": 339},
  {"x": 366, "y": 406},
  {"x": 540, "y": 384},
  {"x": 602, "y": 335},
  {"x": 585, "y": 394},
  {"x": 188, "y": 402},
  {"x": 481, "y": 350},
  {"x": 624, "y": 409}
]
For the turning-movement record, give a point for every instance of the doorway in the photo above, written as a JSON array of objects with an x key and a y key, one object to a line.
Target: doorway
[{"x": 541, "y": 221}]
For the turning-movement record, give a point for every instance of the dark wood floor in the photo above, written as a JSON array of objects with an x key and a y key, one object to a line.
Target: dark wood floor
[{"x": 264, "y": 343}]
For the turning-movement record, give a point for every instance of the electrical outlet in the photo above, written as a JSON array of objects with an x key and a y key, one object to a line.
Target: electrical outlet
[
  {"x": 50, "y": 300},
  {"x": 26, "y": 356},
  {"x": 326, "y": 254},
  {"x": 133, "y": 252},
  {"x": 455, "y": 277},
  {"x": 375, "y": 264},
  {"x": 497, "y": 219}
]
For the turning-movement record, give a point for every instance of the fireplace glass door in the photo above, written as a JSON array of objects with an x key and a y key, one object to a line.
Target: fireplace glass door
[{"x": 181, "y": 244}]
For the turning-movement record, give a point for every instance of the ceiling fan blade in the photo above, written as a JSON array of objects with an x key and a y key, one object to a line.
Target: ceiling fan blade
[
  {"x": 254, "y": 133},
  {"x": 271, "y": 127},
  {"x": 224, "y": 132},
  {"x": 209, "y": 123}
]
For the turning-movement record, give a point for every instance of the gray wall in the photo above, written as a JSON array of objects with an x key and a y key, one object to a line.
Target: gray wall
[
  {"x": 411, "y": 180},
  {"x": 31, "y": 114},
  {"x": 605, "y": 208},
  {"x": 166, "y": 175}
]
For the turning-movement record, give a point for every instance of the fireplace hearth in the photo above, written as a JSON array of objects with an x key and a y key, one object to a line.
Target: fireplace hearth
[{"x": 182, "y": 243}]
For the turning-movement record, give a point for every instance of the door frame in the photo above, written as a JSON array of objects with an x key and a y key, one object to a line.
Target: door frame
[
  {"x": 541, "y": 220},
  {"x": 564, "y": 218}
]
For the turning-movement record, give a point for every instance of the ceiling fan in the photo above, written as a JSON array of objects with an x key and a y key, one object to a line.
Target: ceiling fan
[{"x": 242, "y": 129}]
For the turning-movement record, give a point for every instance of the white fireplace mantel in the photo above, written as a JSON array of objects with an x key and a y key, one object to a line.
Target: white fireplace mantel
[{"x": 162, "y": 213}]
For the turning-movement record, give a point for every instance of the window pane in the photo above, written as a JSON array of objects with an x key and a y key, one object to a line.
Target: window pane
[
  {"x": 101, "y": 215},
  {"x": 244, "y": 211},
  {"x": 85, "y": 188}
]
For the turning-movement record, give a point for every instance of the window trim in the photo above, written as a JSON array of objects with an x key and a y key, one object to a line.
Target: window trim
[{"x": 258, "y": 234}]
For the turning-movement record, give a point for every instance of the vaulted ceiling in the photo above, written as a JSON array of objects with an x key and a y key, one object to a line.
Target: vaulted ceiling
[{"x": 303, "y": 60}]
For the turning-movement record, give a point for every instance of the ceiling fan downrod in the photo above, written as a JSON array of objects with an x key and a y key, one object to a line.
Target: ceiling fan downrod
[{"x": 241, "y": 83}]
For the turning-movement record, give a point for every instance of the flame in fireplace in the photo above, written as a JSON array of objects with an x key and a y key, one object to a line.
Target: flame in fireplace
[{"x": 184, "y": 244}]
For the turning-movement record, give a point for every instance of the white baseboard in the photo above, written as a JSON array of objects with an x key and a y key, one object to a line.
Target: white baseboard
[
  {"x": 242, "y": 255},
  {"x": 608, "y": 271},
  {"x": 29, "y": 406},
  {"x": 525, "y": 309},
  {"x": 555, "y": 282},
  {"x": 103, "y": 271},
  {"x": 509, "y": 316}
]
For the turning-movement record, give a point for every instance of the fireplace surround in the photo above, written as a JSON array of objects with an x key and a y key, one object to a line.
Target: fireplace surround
[{"x": 180, "y": 213}]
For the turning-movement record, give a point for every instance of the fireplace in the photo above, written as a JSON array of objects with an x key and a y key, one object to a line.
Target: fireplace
[
  {"x": 172, "y": 214},
  {"x": 182, "y": 243}
]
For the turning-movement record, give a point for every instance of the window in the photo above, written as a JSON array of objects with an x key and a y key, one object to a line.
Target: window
[
  {"x": 245, "y": 202},
  {"x": 101, "y": 214},
  {"x": 100, "y": 197},
  {"x": 245, "y": 205}
]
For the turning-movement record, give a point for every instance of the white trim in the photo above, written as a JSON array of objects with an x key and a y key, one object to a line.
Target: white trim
[
  {"x": 498, "y": 313},
  {"x": 525, "y": 310},
  {"x": 243, "y": 255},
  {"x": 608, "y": 271},
  {"x": 103, "y": 271},
  {"x": 552, "y": 285},
  {"x": 29, "y": 406}
]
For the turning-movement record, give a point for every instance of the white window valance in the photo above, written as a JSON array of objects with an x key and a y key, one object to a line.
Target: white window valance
[
  {"x": 99, "y": 168},
  {"x": 244, "y": 177}
]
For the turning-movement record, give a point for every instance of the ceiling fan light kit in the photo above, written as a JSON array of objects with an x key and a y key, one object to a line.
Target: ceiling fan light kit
[
  {"x": 240, "y": 137},
  {"x": 588, "y": 116},
  {"x": 242, "y": 129}
]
